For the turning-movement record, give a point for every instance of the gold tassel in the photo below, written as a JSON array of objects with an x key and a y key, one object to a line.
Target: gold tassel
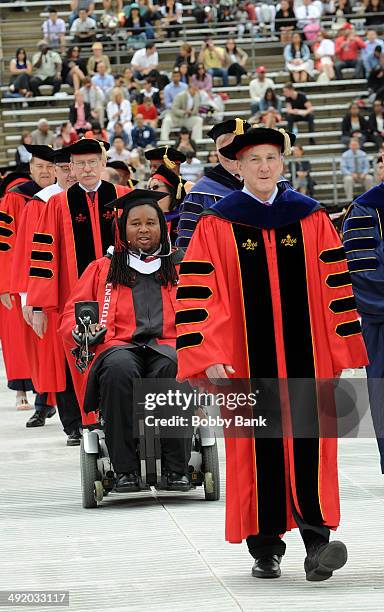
[
  {"x": 179, "y": 189},
  {"x": 130, "y": 184},
  {"x": 167, "y": 162},
  {"x": 239, "y": 130},
  {"x": 287, "y": 142}
]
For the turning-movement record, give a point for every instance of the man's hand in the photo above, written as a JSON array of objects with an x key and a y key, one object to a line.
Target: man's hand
[
  {"x": 218, "y": 371},
  {"x": 28, "y": 315},
  {"x": 39, "y": 323},
  {"x": 6, "y": 300}
]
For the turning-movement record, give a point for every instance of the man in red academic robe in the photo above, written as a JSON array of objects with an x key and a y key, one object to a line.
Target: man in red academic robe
[
  {"x": 265, "y": 293},
  {"x": 43, "y": 175},
  {"x": 48, "y": 375},
  {"x": 74, "y": 229}
]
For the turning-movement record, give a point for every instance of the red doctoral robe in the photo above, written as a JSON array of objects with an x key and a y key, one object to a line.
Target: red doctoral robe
[
  {"x": 267, "y": 290},
  {"x": 11, "y": 208},
  {"x": 72, "y": 231}
]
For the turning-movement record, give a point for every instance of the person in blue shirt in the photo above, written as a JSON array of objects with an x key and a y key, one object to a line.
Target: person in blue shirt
[
  {"x": 368, "y": 53},
  {"x": 142, "y": 135},
  {"x": 173, "y": 88},
  {"x": 363, "y": 242},
  {"x": 354, "y": 166}
]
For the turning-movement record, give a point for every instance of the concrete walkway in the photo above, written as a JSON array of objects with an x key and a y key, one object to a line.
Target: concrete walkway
[{"x": 165, "y": 552}]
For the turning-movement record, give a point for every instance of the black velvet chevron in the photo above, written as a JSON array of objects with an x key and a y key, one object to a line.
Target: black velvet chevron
[
  {"x": 5, "y": 218},
  {"x": 343, "y": 304},
  {"x": 192, "y": 315},
  {"x": 359, "y": 244},
  {"x": 363, "y": 264},
  {"x": 348, "y": 329},
  {"x": 332, "y": 255},
  {"x": 354, "y": 223},
  {"x": 196, "y": 267},
  {"x": 338, "y": 279},
  {"x": 187, "y": 340},
  {"x": 193, "y": 292}
]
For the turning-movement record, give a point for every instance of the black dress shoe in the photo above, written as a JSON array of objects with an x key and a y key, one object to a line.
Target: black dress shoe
[
  {"x": 74, "y": 438},
  {"x": 127, "y": 482},
  {"x": 267, "y": 567},
  {"x": 323, "y": 560},
  {"x": 39, "y": 416},
  {"x": 177, "y": 482}
]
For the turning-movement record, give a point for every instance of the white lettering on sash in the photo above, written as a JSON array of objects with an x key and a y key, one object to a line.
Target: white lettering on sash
[{"x": 107, "y": 301}]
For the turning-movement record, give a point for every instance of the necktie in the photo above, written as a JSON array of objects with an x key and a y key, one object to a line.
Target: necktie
[
  {"x": 356, "y": 163},
  {"x": 92, "y": 195}
]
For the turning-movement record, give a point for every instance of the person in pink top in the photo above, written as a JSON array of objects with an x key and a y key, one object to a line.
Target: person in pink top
[{"x": 348, "y": 47}]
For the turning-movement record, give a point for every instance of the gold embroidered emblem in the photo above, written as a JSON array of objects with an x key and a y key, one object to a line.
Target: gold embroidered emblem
[
  {"x": 288, "y": 240},
  {"x": 249, "y": 245}
]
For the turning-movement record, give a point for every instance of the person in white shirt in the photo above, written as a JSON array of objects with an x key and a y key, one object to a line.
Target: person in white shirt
[
  {"x": 145, "y": 62},
  {"x": 83, "y": 28},
  {"x": 119, "y": 110},
  {"x": 118, "y": 152},
  {"x": 94, "y": 96},
  {"x": 324, "y": 52},
  {"x": 307, "y": 13},
  {"x": 192, "y": 169},
  {"x": 258, "y": 87}
]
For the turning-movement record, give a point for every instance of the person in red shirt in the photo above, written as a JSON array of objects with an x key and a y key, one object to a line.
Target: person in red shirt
[
  {"x": 149, "y": 112},
  {"x": 347, "y": 48}
]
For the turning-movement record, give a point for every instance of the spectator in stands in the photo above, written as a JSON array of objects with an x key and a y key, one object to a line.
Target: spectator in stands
[
  {"x": 46, "y": 65},
  {"x": 42, "y": 135},
  {"x": 202, "y": 80},
  {"x": 148, "y": 111},
  {"x": 285, "y": 22},
  {"x": 184, "y": 73},
  {"x": 145, "y": 62},
  {"x": 21, "y": 69},
  {"x": 118, "y": 130},
  {"x": 298, "y": 59},
  {"x": 270, "y": 109},
  {"x": 135, "y": 26},
  {"x": 77, "y": 5},
  {"x": 80, "y": 114},
  {"x": 73, "y": 69},
  {"x": 97, "y": 132},
  {"x": 371, "y": 54},
  {"x": 342, "y": 8},
  {"x": 308, "y": 12},
  {"x": 102, "y": 79},
  {"x": 192, "y": 169},
  {"x": 301, "y": 173},
  {"x": 94, "y": 96},
  {"x": 186, "y": 56},
  {"x": 119, "y": 109},
  {"x": 379, "y": 174},
  {"x": 354, "y": 125},
  {"x": 266, "y": 13},
  {"x": 152, "y": 17},
  {"x": 23, "y": 157},
  {"x": 184, "y": 143},
  {"x": 173, "y": 88},
  {"x": 354, "y": 167},
  {"x": 54, "y": 29},
  {"x": 376, "y": 124},
  {"x": 376, "y": 19},
  {"x": 213, "y": 59},
  {"x": 212, "y": 160},
  {"x": 298, "y": 108},
  {"x": 245, "y": 16},
  {"x": 149, "y": 91},
  {"x": 324, "y": 52},
  {"x": 184, "y": 112},
  {"x": 143, "y": 135},
  {"x": 376, "y": 79},
  {"x": 130, "y": 84},
  {"x": 172, "y": 17},
  {"x": 235, "y": 60},
  {"x": 258, "y": 86},
  {"x": 67, "y": 134},
  {"x": 96, "y": 57},
  {"x": 348, "y": 47},
  {"x": 118, "y": 152},
  {"x": 83, "y": 29}
]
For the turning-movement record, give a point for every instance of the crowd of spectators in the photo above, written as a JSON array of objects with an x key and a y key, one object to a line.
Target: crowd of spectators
[{"x": 136, "y": 107}]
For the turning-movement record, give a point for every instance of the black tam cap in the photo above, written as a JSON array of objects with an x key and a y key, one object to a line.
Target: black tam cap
[
  {"x": 62, "y": 156},
  {"x": 168, "y": 155},
  {"x": 138, "y": 197},
  {"x": 170, "y": 178},
  {"x": 43, "y": 152},
  {"x": 257, "y": 136},
  {"x": 119, "y": 165},
  {"x": 231, "y": 126},
  {"x": 88, "y": 145}
]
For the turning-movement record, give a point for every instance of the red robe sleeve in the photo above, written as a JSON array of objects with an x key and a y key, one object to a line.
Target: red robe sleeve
[
  {"x": 11, "y": 208},
  {"x": 346, "y": 344},
  {"x": 23, "y": 246},
  {"x": 203, "y": 307},
  {"x": 44, "y": 280}
]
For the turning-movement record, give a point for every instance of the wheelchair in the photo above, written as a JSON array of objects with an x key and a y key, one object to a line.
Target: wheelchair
[{"x": 97, "y": 473}]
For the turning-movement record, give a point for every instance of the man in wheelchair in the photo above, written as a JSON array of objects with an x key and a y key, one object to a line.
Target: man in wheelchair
[{"x": 135, "y": 287}]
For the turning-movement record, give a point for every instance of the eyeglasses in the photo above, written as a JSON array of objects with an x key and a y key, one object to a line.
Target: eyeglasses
[
  {"x": 66, "y": 169},
  {"x": 92, "y": 163}
]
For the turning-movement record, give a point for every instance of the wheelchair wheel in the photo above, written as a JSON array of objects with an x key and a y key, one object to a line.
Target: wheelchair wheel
[
  {"x": 89, "y": 476},
  {"x": 211, "y": 472}
]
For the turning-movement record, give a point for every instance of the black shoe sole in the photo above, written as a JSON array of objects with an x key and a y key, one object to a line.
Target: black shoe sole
[
  {"x": 73, "y": 442},
  {"x": 39, "y": 424},
  {"x": 333, "y": 557},
  {"x": 270, "y": 575}
]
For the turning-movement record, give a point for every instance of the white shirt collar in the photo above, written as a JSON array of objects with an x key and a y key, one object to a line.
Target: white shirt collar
[
  {"x": 94, "y": 189},
  {"x": 145, "y": 267},
  {"x": 270, "y": 200},
  {"x": 48, "y": 192}
]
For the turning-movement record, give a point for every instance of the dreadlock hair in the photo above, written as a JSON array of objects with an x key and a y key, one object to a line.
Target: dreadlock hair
[
  {"x": 120, "y": 272},
  {"x": 174, "y": 203}
]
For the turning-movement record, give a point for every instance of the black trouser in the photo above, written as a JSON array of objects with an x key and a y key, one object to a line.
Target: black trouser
[
  {"x": 237, "y": 70},
  {"x": 36, "y": 82},
  {"x": 41, "y": 402},
  {"x": 116, "y": 378},
  {"x": 291, "y": 119},
  {"x": 265, "y": 545},
  {"x": 68, "y": 406},
  {"x": 21, "y": 81}
]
